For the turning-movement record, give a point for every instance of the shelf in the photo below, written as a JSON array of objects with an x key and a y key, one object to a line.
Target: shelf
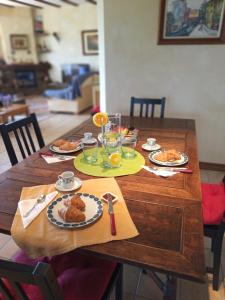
[
  {"x": 41, "y": 33},
  {"x": 44, "y": 51}
]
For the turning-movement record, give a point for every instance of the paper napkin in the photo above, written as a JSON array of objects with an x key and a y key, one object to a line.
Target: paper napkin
[
  {"x": 163, "y": 173},
  {"x": 55, "y": 159},
  {"x": 25, "y": 205}
]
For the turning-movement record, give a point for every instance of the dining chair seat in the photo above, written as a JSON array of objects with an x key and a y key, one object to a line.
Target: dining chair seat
[
  {"x": 75, "y": 276},
  {"x": 213, "y": 204},
  {"x": 23, "y": 137},
  {"x": 146, "y": 102}
]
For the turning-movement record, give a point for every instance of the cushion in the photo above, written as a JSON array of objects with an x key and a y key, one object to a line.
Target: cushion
[
  {"x": 80, "y": 276},
  {"x": 213, "y": 203}
]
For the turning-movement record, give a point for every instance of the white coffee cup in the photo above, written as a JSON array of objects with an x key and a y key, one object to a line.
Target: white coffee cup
[
  {"x": 87, "y": 136},
  {"x": 151, "y": 141},
  {"x": 66, "y": 179}
]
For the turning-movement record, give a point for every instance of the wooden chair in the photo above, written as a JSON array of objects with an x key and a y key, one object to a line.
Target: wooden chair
[
  {"x": 64, "y": 277},
  {"x": 23, "y": 137},
  {"x": 213, "y": 200},
  {"x": 146, "y": 102}
]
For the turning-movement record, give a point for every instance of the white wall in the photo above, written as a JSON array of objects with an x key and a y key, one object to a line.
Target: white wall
[
  {"x": 17, "y": 21},
  {"x": 68, "y": 22},
  {"x": 190, "y": 77}
]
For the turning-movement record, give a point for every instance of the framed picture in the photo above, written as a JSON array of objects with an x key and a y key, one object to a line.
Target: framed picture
[
  {"x": 192, "y": 22},
  {"x": 19, "y": 42},
  {"x": 90, "y": 42}
]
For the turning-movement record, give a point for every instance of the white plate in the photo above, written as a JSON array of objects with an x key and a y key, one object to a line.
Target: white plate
[
  {"x": 57, "y": 150},
  {"x": 89, "y": 142},
  {"x": 182, "y": 161},
  {"x": 151, "y": 148},
  {"x": 77, "y": 184},
  {"x": 93, "y": 211}
]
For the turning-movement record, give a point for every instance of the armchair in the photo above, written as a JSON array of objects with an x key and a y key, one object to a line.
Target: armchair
[{"x": 74, "y": 98}]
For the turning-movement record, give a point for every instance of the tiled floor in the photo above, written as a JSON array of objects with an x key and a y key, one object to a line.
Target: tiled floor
[{"x": 187, "y": 290}]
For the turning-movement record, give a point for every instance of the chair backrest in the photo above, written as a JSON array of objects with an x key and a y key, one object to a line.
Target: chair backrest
[
  {"x": 17, "y": 274},
  {"x": 146, "y": 102},
  {"x": 23, "y": 137}
]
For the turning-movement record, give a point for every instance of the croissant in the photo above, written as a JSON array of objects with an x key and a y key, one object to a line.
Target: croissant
[
  {"x": 59, "y": 142},
  {"x": 71, "y": 214},
  {"x": 69, "y": 146},
  {"x": 76, "y": 202}
]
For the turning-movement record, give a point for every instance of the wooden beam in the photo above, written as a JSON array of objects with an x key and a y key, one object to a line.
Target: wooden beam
[
  {"x": 7, "y": 5},
  {"x": 92, "y": 2},
  {"x": 27, "y": 4},
  {"x": 49, "y": 3},
  {"x": 70, "y": 2}
]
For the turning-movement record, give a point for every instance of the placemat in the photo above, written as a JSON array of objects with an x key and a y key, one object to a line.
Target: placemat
[
  {"x": 128, "y": 166},
  {"x": 42, "y": 238}
]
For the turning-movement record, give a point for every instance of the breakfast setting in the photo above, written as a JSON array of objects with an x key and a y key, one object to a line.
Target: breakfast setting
[{"x": 90, "y": 211}]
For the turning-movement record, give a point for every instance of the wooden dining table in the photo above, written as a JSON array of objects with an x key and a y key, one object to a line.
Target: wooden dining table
[{"x": 166, "y": 211}]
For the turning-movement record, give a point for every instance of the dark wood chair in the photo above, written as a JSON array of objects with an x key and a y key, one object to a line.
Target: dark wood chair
[
  {"x": 147, "y": 102},
  {"x": 21, "y": 130},
  {"x": 213, "y": 198},
  {"x": 216, "y": 233},
  {"x": 87, "y": 278}
]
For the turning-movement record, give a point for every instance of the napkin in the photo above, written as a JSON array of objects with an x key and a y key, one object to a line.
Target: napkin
[
  {"x": 163, "y": 173},
  {"x": 25, "y": 205},
  {"x": 55, "y": 159}
]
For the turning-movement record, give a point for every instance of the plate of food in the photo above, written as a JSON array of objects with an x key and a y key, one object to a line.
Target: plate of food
[
  {"x": 168, "y": 158},
  {"x": 75, "y": 210},
  {"x": 65, "y": 146}
]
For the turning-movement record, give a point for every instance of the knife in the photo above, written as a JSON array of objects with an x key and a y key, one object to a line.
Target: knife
[
  {"x": 112, "y": 217},
  {"x": 179, "y": 170}
]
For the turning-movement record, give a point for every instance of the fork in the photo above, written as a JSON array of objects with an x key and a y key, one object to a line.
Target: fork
[{"x": 40, "y": 199}]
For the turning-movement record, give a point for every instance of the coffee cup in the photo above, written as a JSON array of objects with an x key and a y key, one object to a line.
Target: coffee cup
[
  {"x": 151, "y": 142},
  {"x": 87, "y": 136},
  {"x": 66, "y": 179}
]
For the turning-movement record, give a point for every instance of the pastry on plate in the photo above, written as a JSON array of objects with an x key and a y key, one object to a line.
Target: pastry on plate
[
  {"x": 69, "y": 146},
  {"x": 59, "y": 142},
  {"x": 168, "y": 156},
  {"x": 76, "y": 202},
  {"x": 71, "y": 214}
]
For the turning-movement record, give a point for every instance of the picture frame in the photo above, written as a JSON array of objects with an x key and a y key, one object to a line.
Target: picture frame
[
  {"x": 192, "y": 22},
  {"x": 89, "y": 42},
  {"x": 19, "y": 42}
]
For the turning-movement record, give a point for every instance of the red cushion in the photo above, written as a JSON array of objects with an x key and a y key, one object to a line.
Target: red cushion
[
  {"x": 213, "y": 202},
  {"x": 80, "y": 276}
]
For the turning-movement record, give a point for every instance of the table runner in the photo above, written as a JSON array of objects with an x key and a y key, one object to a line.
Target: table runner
[
  {"x": 42, "y": 238},
  {"x": 128, "y": 166}
]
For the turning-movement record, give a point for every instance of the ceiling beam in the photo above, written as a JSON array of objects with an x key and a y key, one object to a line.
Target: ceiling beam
[
  {"x": 70, "y": 2},
  {"x": 92, "y": 2},
  {"x": 27, "y": 4},
  {"x": 49, "y": 3},
  {"x": 7, "y": 5}
]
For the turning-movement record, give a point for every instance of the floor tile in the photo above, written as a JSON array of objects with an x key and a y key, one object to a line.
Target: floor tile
[
  {"x": 9, "y": 249},
  {"x": 4, "y": 239},
  {"x": 149, "y": 289},
  {"x": 193, "y": 291},
  {"x": 130, "y": 278}
]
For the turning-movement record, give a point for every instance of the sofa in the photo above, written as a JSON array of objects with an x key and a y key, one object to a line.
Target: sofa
[{"x": 74, "y": 98}]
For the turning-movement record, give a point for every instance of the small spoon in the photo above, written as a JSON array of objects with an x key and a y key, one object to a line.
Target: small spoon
[{"x": 39, "y": 200}]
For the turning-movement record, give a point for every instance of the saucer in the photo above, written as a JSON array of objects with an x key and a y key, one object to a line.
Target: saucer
[
  {"x": 76, "y": 185},
  {"x": 90, "y": 141},
  {"x": 151, "y": 148}
]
